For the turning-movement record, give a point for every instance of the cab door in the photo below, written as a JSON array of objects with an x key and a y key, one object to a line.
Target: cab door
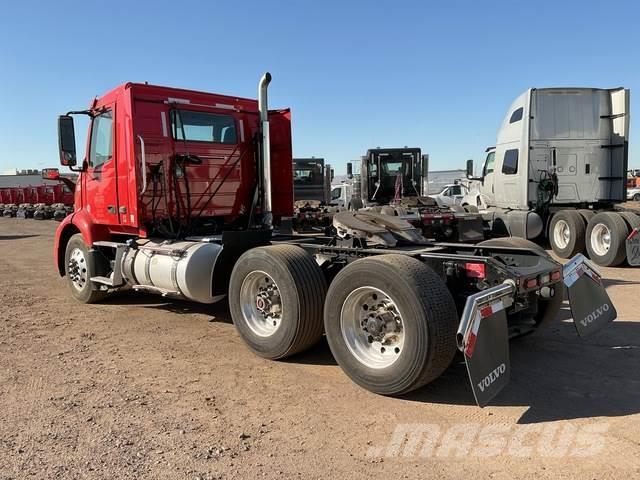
[
  {"x": 487, "y": 187},
  {"x": 100, "y": 189}
]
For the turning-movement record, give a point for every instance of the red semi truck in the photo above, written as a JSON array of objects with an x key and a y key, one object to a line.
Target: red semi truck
[{"x": 181, "y": 194}]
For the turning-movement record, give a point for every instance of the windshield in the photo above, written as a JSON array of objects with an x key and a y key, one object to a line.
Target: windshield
[{"x": 310, "y": 174}]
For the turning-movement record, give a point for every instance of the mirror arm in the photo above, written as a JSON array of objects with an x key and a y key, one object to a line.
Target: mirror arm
[{"x": 89, "y": 113}]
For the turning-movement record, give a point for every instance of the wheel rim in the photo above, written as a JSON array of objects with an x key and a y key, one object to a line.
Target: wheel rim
[
  {"x": 261, "y": 303},
  {"x": 636, "y": 197},
  {"x": 601, "y": 239},
  {"x": 372, "y": 327},
  {"x": 78, "y": 269},
  {"x": 561, "y": 234}
]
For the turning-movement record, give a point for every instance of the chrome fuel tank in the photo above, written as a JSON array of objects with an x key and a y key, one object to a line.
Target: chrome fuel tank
[{"x": 182, "y": 269}]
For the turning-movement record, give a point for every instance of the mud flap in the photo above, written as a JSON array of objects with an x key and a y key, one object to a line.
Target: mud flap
[
  {"x": 590, "y": 304},
  {"x": 633, "y": 247},
  {"x": 483, "y": 338}
]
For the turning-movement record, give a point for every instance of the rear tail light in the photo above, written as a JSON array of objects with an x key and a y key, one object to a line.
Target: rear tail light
[
  {"x": 555, "y": 276},
  {"x": 475, "y": 270},
  {"x": 530, "y": 283}
]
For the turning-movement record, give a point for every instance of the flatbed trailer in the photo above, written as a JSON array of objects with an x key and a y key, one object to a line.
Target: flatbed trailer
[{"x": 394, "y": 306}]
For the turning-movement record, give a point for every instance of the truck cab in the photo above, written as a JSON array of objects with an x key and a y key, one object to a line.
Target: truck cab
[
  {"x": 388, "y": 174},
  {"x": 557, "y": 171},
  {"x": 168, "y": 163}
]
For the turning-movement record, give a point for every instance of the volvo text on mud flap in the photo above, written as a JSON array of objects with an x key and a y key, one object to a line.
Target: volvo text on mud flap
[{"x": 591, "y": 306}]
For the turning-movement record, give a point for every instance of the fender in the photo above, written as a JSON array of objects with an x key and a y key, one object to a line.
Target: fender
[{"x": 77, "y": 222}]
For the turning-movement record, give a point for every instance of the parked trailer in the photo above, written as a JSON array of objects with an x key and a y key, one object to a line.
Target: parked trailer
[
  {"x": 559, "y": 172},
  {"x": 193, "y": 217}
]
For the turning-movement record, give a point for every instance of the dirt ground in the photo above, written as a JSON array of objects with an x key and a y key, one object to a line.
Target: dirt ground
[{"x": 138, "y": 387}]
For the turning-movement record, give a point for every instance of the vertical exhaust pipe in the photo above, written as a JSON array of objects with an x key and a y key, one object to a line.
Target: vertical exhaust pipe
[{"x": 263, "y": 107}]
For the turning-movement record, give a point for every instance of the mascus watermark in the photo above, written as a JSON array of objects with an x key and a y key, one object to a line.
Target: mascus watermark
[{"x": 560, "y": 439}]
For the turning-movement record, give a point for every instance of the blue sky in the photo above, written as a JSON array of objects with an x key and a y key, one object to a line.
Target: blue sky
[{"x": 438, "y": 75}]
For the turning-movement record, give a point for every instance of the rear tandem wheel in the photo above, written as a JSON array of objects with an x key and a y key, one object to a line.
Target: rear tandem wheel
[
  {"x": 391, "y": 323},
  {"x": 276, "y": 294}
]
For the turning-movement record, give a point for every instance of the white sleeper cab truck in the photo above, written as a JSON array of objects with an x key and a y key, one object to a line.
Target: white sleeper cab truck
[{"x": 558, "y": 172}]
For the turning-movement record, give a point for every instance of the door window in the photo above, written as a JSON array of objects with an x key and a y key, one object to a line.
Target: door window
[
  {"x": 455, "y": 190},
  {"x": 335, "y": 193},
  {"x": 491, "y": 159},
  {"x": 101, "y": 148}
]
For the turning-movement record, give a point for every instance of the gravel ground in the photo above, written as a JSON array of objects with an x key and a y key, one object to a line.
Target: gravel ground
[{"x": 138, "y": 387}]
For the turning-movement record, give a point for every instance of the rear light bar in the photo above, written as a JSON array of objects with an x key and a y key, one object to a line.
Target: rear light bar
[
  {"x": 429, "y": 218},
  {"x": 552, "y": 277},
  {"x": 475, "y": 270}
]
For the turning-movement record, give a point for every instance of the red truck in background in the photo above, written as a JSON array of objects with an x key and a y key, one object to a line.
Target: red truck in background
[{"x": 181, "y": 193}]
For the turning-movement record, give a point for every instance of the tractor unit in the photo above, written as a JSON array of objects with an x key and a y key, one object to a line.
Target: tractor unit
[
  {"x": 177, "y": 196},
  {"x": 394, "y": 181}
]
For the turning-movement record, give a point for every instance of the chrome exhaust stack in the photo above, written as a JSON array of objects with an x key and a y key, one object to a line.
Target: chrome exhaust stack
[{"x": 266, "y": 149}]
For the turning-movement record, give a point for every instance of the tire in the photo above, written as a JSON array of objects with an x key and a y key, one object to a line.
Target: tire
[
  {"x": 632, "y": 219},
  {"x": 78, "y": 271},
  {"x": 547, "y": 309},
  {"x": 612, "y": 252},
  {"x": 636, "y": 197},
  {"x": 302, "y": 288},
  {"x": 586, "y": 214},
  {"x": 428, "y": 315},
  {"x": 567, "y": 233},
  {"x": 471, "y": 209}
]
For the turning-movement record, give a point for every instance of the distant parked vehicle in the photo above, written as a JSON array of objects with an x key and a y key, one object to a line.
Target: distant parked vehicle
[
  {"x": 561, "y": 177},
  {"x": 451, "y": 194}
]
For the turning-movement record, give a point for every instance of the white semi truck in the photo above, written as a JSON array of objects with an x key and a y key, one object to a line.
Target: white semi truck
[{"x": 558, "y": 172}]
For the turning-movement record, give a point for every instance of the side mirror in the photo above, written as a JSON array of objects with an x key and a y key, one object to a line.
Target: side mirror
[
  {"x": 349, "y": 170},
  {"x": 50, "y": 174},
  {"x": 67, "y": 141},
  {"x": 469, "y": 169}
]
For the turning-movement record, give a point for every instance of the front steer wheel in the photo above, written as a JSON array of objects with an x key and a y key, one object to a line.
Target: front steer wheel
[
  {"x": 276, "y": 295},
  {"x": 78, "y": 271},
  {"x": 391, "y": 323}
]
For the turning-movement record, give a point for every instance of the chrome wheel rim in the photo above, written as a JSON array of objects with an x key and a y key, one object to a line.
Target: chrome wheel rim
[
  {"x": 78, "y": 269},
  {"x": 260, "y": 303},
  {"x": 372, "y": 327},
  {"x": 601, "y": 239},
  {"x": 561, "y": 234}
]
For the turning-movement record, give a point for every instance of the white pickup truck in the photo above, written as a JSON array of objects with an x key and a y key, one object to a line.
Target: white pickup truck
[{"x": 451, "y": 194}]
